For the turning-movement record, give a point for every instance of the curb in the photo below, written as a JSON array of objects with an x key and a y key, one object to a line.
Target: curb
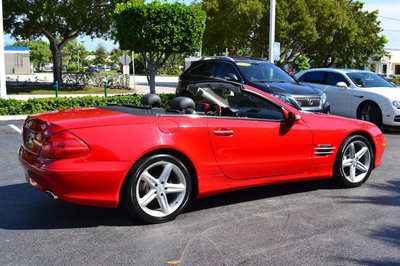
[{"x": 12, "y": 117}]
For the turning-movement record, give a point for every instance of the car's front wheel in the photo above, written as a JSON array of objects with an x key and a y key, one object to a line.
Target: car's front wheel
[
  {"x": 158, "y": 188},
  {"x": 354, "y": 161},
  {"x": 371, "y": 112}
]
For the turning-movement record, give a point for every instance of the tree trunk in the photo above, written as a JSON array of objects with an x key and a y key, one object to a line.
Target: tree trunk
[
  {"x": 56, "y": 52},
  {"x": 152, "y": 64},
  {"x": 152, "y": 81},
  {"x": 57, "y": 66},
  {"x": 55, "y": 48}
]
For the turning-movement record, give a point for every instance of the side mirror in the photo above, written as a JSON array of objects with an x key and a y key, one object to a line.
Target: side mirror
[
  {"x": 341, "y": 84},
  {"x": 231, "y": 77},
  {"x": 290, "y": 117}
]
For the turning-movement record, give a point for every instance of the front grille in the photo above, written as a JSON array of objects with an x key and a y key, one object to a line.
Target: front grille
[
  {"x": 305, "y": 101},
  {"x": 397, "y": 118}
]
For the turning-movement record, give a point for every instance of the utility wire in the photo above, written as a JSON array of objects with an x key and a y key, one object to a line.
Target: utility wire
[{"x": 389, "y": 18}]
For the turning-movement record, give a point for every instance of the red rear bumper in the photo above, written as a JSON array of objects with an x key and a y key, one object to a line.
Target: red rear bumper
[{"x": 94, "y": 183}]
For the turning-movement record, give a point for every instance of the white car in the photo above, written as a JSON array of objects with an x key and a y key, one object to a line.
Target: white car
[{"x": 356, "y": 94}]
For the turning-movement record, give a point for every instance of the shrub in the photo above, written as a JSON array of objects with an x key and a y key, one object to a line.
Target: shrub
[
  {"x": 301, "y": 63},
  {"x": 117, "y": 81}
]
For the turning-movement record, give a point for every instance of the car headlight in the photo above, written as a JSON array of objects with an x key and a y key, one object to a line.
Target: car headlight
[
  {"x": 283, "y": 98},
  {"x": 396, "y": 104}
]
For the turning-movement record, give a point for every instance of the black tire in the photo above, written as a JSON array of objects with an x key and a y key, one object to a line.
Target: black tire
[
  {"x": 371, "y": 112},
  {"x": 349, "y": 169},
  {"x": 147, "y": 193}
]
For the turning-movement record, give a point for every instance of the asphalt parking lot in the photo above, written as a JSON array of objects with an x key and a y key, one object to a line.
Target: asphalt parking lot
[{"x": 310, "y": 223}]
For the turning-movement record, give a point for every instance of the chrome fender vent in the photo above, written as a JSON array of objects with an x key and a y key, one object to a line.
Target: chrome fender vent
[{"x": 324, "y": 149}]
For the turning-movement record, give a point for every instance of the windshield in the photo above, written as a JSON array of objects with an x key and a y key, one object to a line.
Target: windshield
[
  {"x": 367, "y": 80},
  {"x": 263, "y": 72}
]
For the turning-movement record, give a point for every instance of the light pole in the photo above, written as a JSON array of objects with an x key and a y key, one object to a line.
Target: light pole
[
  {"x": 79, "y": 67},
  {"x": 78, "y": 60},
  {"x": 271, "y": 31},
  {"x": 3, "y": 90}
]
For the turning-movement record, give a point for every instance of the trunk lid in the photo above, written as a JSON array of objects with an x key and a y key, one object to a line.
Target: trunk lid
[{"x": 39, "y": 128}]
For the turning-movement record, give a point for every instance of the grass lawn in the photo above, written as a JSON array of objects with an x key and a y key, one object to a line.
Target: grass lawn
[
  {"x": 68, "y": 90},
  {"x": 110, "y": 72}
]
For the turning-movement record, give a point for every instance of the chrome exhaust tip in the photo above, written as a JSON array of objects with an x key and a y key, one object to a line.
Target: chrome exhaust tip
[{"x": 50, "y": 194}]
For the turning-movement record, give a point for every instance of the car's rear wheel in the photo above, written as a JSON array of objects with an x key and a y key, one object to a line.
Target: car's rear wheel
[
  {"x": 158, "y": 188},
  {"x": 354, "y": 161},
  {"x": 371, "y": 112}
]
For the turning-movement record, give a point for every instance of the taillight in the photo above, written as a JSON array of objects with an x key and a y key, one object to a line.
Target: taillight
[{"x": 64, "y": 145}]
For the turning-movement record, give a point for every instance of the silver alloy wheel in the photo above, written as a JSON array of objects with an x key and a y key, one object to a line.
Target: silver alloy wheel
[
  {"x": 356, "y": 161},
  {"x": 161, "y": 189}
]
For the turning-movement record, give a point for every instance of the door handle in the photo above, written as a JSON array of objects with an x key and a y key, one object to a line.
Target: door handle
[
  {"x": 223, "y": 133},
  {"x": 359, "y": 96}
]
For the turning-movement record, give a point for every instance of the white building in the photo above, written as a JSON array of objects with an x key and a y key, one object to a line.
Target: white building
[
  {"x": 17, "y": 60},
  {"x": 389, "y": 66},
  {"x": 90, "y": 57}
]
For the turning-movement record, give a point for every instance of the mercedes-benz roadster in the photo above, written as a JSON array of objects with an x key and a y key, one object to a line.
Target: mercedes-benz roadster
[{"x": 225, "y": 137}]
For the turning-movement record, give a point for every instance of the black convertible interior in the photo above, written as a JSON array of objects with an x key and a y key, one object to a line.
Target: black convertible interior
[{"x": 208, "y": 100}]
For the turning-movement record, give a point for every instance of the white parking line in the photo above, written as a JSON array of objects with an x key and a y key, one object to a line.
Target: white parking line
[{"x": 15, "y": 128}]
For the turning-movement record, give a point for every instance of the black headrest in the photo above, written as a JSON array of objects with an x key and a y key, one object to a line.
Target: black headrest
[
  {"x": 182, "y": 103},
  {"x": 151, "y": 99}
]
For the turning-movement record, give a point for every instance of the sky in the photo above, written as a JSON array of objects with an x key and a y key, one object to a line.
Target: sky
[{"x": 389, "y": 17}]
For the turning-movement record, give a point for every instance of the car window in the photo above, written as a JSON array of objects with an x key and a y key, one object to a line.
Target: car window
[
  {"x": 334, "y": 78},
  {"x": 263, "y": 72},
  {"x": 206, "y": 70},
  {"x": 366, "y": 80},
  {"x": 225, "y": 68},
  {"x": 313, "y": 77}
]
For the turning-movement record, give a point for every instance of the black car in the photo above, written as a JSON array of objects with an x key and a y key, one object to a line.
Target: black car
[{"x": 257, "y": 73}]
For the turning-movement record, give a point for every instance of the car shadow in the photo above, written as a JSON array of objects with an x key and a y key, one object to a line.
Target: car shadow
[
  {"x": 24, "y": 208},
  {"x": 392, "y": 130},
  {"x": 262, "y": 192}
]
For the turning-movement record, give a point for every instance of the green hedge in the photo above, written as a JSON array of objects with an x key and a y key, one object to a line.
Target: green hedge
[
  {"x": 395, "y": 80},
  {"x": 40, "y": 105}
]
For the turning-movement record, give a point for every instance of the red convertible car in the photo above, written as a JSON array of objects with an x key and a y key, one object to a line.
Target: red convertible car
[{"x": 226, "y": 137}]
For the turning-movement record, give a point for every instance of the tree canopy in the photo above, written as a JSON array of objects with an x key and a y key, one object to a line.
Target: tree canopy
[
  {"x": 329, "y": 32},
  {"x": 67, "y": 19},
  {"x": 101, "y": 55},
  {"x": 158, "y": 30},
  {"x": 230, "y": 23},
  {"x": 39, "y": 52},
  {"x": 70, "y": 54}
]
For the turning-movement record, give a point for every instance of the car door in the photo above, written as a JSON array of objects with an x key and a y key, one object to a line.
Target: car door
[
  {"x": 339, "y": 98},
  {"x": 258, "y": 143},
  {"x": 252, "y": 148}
]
